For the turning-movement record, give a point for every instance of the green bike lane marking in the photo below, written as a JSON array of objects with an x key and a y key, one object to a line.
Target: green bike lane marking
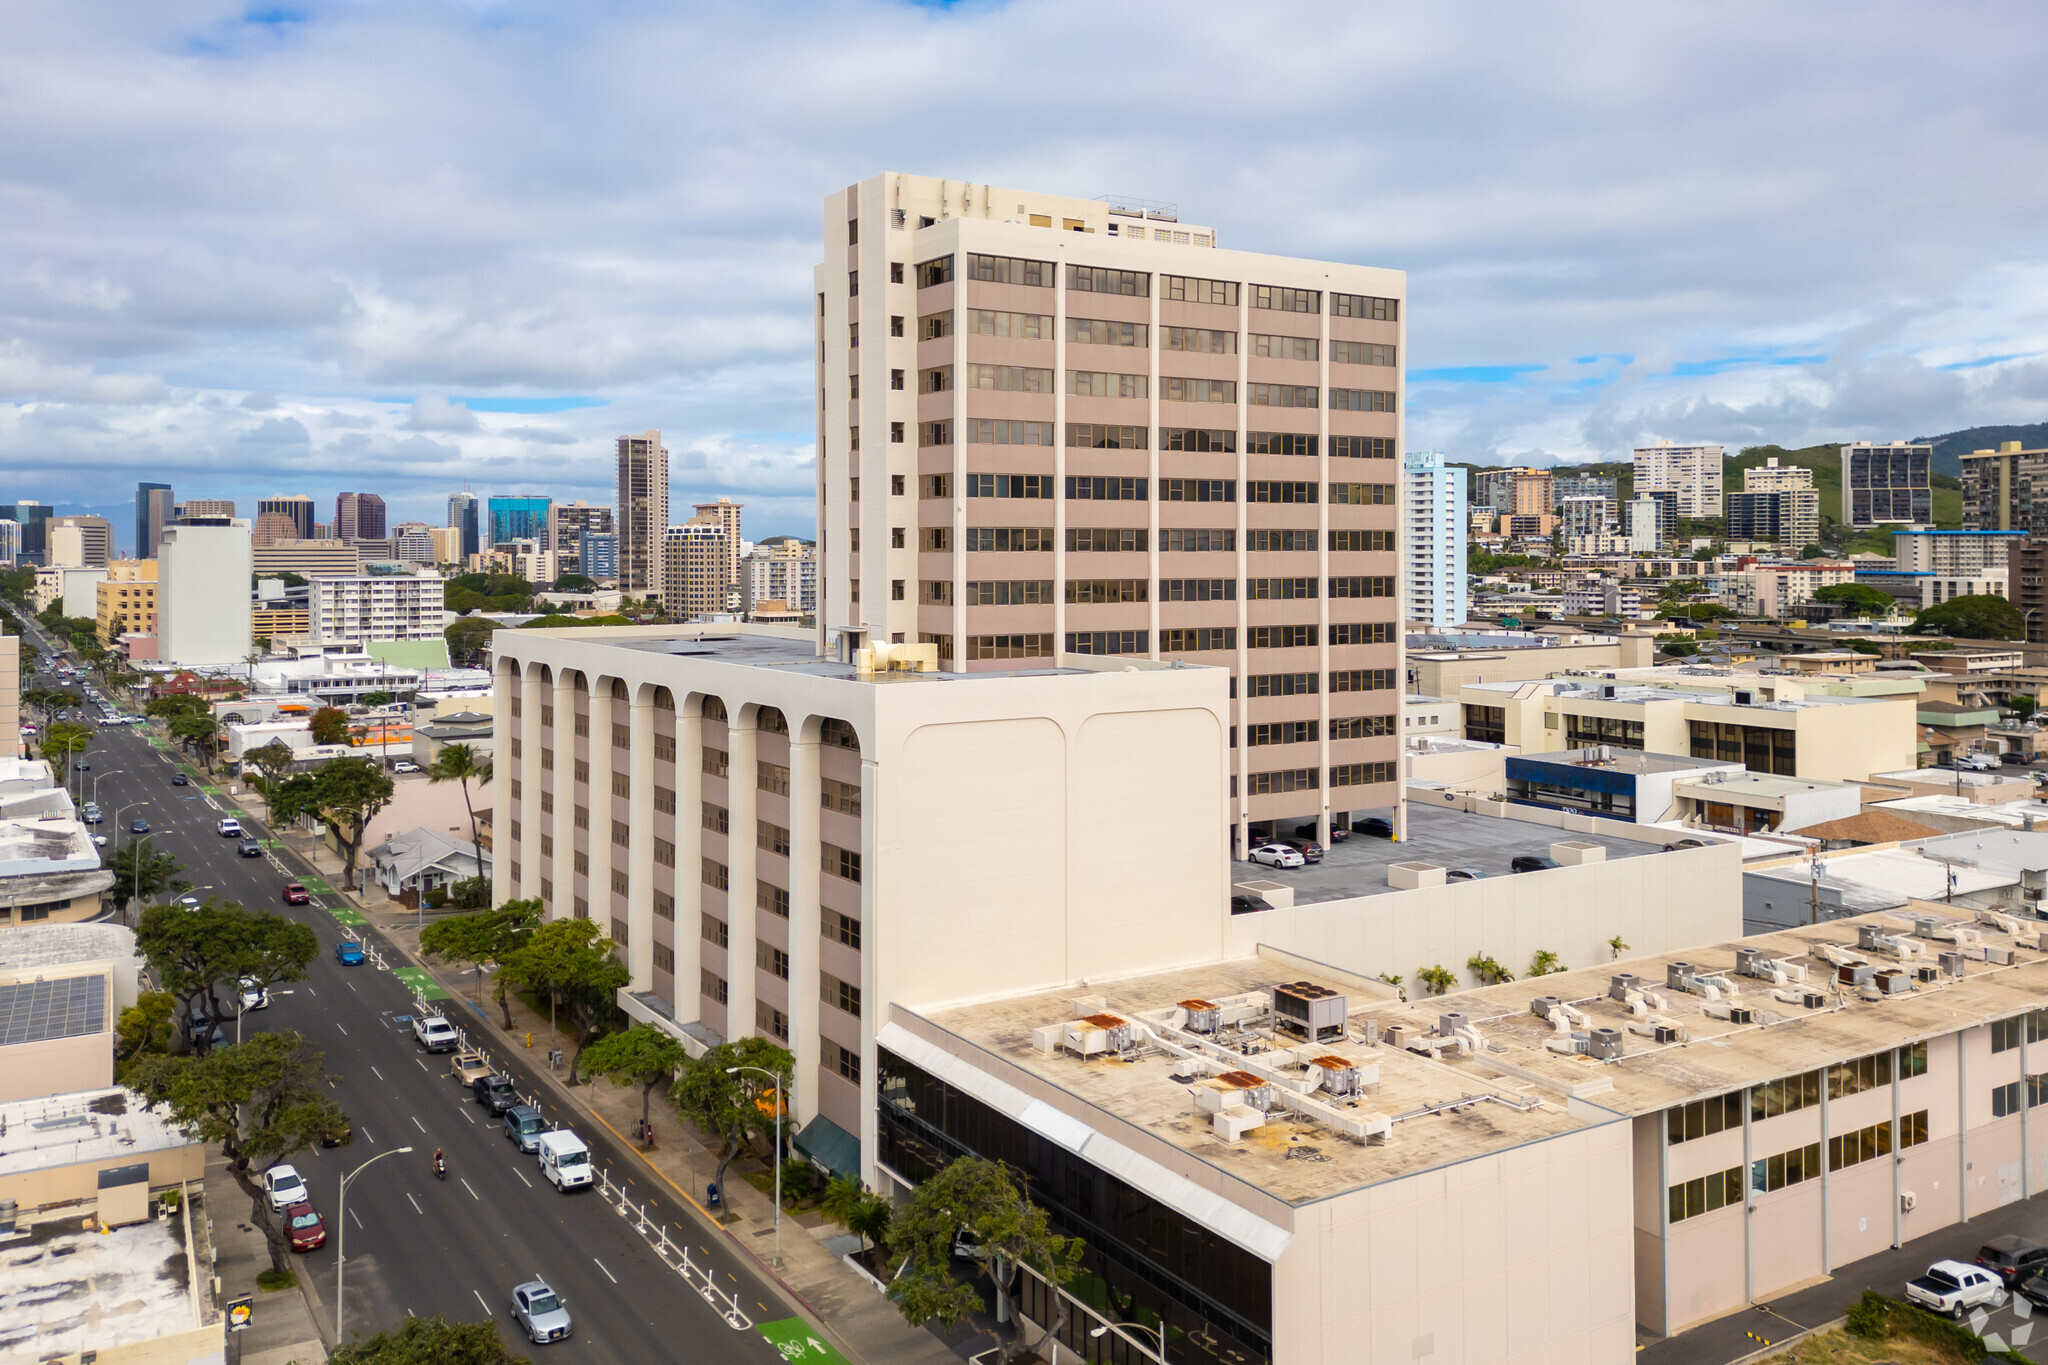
[
  {"x": 347, "y": 917},
  {"x": 316, "y": 884},
  {"x": 794, "y": 1338},
  {"x": 419, "y": 983}
]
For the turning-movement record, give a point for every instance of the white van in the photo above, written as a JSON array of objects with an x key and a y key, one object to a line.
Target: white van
[
  {"x": 230, "y": 828},
  {"x": 565, "y": 1160}
]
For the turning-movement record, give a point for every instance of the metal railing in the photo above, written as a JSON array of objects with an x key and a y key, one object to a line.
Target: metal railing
[{"x": 674, "y": 1254}]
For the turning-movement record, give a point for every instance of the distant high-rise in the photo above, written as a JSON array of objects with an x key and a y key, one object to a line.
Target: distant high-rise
[
  {"x": 725, "y": 515},
  {"x": 568, "y": 523},
  {"x": 296, "y": 506},
  {"x": 358, "y": 516},
  {"x": 274, "y": 527},
  {"x": 413, "y": 543},
  {"x": 785, "y": 570},
  {"x": 1435, "y": 547},
  {"x": 694, "y": 568},
  {"x": 155, "y": 509},
  {"x": 80, "y": 542},
  {"x": 642, "y": 511},
  {"x": 463, "y": 517},
  {"x": 1890, "y": 484},
  {"x": 521, "y": 516},
  {"x": 202, "y": 597},
  {"x": 1692, "y": 472},
  {"x": 597, "y": 555}
]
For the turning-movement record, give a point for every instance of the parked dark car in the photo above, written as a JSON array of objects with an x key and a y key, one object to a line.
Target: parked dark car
[
  {"x": 1338, "y": 834},
  {"x": 250, "y": 848},
  {"x": 180, "y": 780},
  {"x": 495, "y": 1093},
  {"x": 1309, "y": 849},
  {"x": 2034, "y": 1289},
  {"x": 1376, "y": 826},
  {"x": 2016, "y": 760},
  {"x": 2014, "y": 1258},
  {"x": 1241, "y": 904},
  {"x": 1531, "y": 862}
]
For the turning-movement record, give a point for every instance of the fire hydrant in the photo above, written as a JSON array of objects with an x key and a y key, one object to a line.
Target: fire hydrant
[{"x": 529, "y": 1038}]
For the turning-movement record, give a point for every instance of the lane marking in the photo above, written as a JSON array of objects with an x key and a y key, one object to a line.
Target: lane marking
[
  {"x": 522, "y": 1177},
  {"x": 375, "y": 1072},
  {"x": 487, "y": 1307},
  {"x": 415, "y": 1204},
  {"x": 417, "y": 1124},
  {"x": 352, "y": 985},
  {"x": 358, "y": 1217},
  {"x": 366, "y": 1134},
  {"x": 344, "y": 1030},
  {"x": 607, "y": 1274},
  {"x": 472, "y": 1193},
  {"x": 423, "y": 1065},
  {"x": 311, "y": 991},
  {"x": 471, "y": 1117}
]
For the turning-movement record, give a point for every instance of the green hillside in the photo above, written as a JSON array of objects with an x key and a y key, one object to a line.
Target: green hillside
[{"x": 1949, "y": 449}]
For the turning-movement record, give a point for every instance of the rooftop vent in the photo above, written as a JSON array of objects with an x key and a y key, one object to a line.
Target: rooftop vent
[
  {"x": 1681, "y": 976},
  {"x": 1204, "y": 1016},
  {"x": 1309, "y": 1011},
  {"x": 1621, "y": 983},
  {"x": 1604, "y": 1044}
]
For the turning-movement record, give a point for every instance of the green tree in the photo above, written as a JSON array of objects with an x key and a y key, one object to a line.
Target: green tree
[
  {"x": 1490, "y": 972},
  {"x": 1858, "y": 597},
  {"x": 62, "y": 740},
  {"x": 273, "y": 760},
  {"x": 848, "y": 1203},
  {"x": 462, "y": 763},
  {"x": 378, "y": 698},
  {"x": 468, "y": 637},
  {"x": 145, "y": 1026},
  {"x": 2024, "y": 706},
  {"x": 732, "y": 1105},
  {"x": 471, "y": 893},
  {"x": 192, "y": 953},
  {"x": 262, "y": 1101},
  {"x": 484, "y": 940},
  {"x": 344, "y": 794},
  {"x": 429, "y": 1341},
  {"x": 143, "y": 871},
  {"x": 571, "y": 964},
  {"x": 174, "y": 704},
  {"x": 1544, "y": 962},
  {"x": 1010, "y": 1232},
  {"x": 197, "y": 733},
  {"x": 1975, "y": 617},
  {"x": 642, "y": 1055},
  {"x": 330, "y": 725},
  {"x": 1437, "y": 979},
  {"x": 574, "y": 582}
]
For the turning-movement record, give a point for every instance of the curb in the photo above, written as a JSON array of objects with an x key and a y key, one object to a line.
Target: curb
[{"x": 1777, "y": 1348}]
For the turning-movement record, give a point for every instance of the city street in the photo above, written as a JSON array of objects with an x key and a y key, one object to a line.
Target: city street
[{"x": 415, "y": 1245}]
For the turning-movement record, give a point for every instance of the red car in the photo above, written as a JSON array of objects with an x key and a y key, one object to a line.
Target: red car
[
  {"x": 295, "y": 893},
  {"x": 308, "y": 1232}
]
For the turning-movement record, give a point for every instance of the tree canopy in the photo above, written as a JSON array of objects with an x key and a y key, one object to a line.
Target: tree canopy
[
  {"x": 1975, "y": 617},
  {"x": 142, "y": 870},
  {"x": 484, "y": 939},
  {"x": 737, "y": 1107},
  {"x": 1858, "y": 597},
  {"x": 429, "y": 1341},
  {"x": 192, "y": 953},
  {"x": 464, "y": 764},
  {"x": 570, "y": 963},
  {"x": 344, "y": 794},
  {"x": 468, "y": 637},
  {"x": 642, "y": 1055},
  {"x": 330, "y": 725},
  {"x": 574, "y": 582}
]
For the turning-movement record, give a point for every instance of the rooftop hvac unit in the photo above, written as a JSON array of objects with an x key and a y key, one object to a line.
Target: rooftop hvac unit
[
  {"x": 1666, "y": 1033},
  {"x": 1604, "y": 1044},
  {"x": 1744, "y": 697},
  {"x": 1309, "y": 1011},
  {"x": 1855, "y": 973},
  {"x": 1927, "y": 975},
  {"x": 1096, "y": 1033},
  {"x": 1746, "y": 960},
  {"x": 1925, "y": 925},
  {"x": 1203, "y": 1016},
  {"x": 1251, "y": 1090},
  {"x": 1741, "y": 1014},
  {"x": 1871, "y": 937},
  {"x": 1397, "y": 1036},
  {"x": 1621, "y": 983},
  {"x": 1813, "y": 1000},
  {"x": 1952, "y": 963},
  {"x": 1448, "y": 1023},
  {"x": 1997, "y": 956},
  {"x": 1892, "y": 982},
  {"x": 1680, "y": 976},
  {"x": 1340, "y": 1076},
  {"x": 1542, "y": 1005}
]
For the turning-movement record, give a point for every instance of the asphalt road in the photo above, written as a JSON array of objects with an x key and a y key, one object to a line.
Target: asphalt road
[{"x": 416, "y": 1245}]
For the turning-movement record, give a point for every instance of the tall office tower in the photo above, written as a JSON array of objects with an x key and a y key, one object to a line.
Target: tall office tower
[
  {"x": 1606, "y": 486},
  {"x": 155, "y": 509},
  {"x": 80, "y": 542},
  {"x": 725, "y": 515},
  {"x": 1667, "y": 511},
  {"x": 462, "y": 515},
  {"x": 1788, "y": 516},
  {"x": 358, "y": 516},
  {"x": 1515, "y": 489},
  {"x": 1435, "y": 540},
  {"x": 296, "y": 506},
  {"x": 642, "y": 508},
  {"x": 413, "y": 543},
  {"x": 1892, "y": 483},
  {"x": 597, "y": 555},
  {"x": 273, "y": 528},
  {"x": 693, "y": 567},
  {"x": 10, "y": 536},
  {"x": 1116, "y": 438},
  {"x": 202, "y": 594},
  {"x": 1692, "y": 472},
  {"x": 568, "y": 523},
  {"x": 521, "y": 516},
  {"x": 206, "y": 510},
  {"x": 34, "y": 519}
]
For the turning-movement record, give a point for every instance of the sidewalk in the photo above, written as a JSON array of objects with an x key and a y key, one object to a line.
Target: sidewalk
[
  {"x": 285, "y": 1328},
  {"x": 865, "y": 1325}
]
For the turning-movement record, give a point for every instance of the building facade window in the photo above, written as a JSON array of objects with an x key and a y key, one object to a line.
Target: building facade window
[{"x": 840, "y": 862}]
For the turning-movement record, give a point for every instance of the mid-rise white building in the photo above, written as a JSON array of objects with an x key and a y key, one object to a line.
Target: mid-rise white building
[
  {"x": 1640, "y": 522},
  {"x": 1692, "y": 472},
  {"x": 202, "y": 593},
  {"x": 1954, "y": 552},
  {"x": 1436, "y": 513},
  {"x": 784, "y": 571},
  {"x": 1584, "y": 515},
  {"x": 381, "y": 607},
  {"x": 413, "y": 543}
]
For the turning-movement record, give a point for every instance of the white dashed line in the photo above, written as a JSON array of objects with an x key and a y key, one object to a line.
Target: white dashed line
[
  {"x": 415, "y": 1204},
  {"x": 366, "y": 1134},
  {"x": 472, "y": 1193},
  {"x": 480, "y": 1299},
  {"x": 417, "y": 1124},
  {"x": 375, "y": 1072},
  {"x": 522, "y": 1177},
  {"x": 607, "y": 1274},
  {"x": 353, "y": 1214},
  {"x": 344, "y": 1030}
]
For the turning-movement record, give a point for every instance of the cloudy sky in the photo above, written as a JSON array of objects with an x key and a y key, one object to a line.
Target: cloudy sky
[{"x": 404, "y": 247}]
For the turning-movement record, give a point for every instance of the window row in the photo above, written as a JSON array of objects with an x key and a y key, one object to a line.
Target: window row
[{"x": 1307, "y": 684}]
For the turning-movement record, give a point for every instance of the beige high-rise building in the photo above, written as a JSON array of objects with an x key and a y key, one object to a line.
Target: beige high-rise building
[
  {"x": 1056, "y": 426},
  {"x": 725, "y": 515},
  {"x": 297, "y": 508},
  {"x": 1692, "y": 472},
  {"x": 273, "y": 528},
  {"x": 80, "y": 542},
  {"x": 693, "y": 560},
  {"x": 126, "y": 600},
  {"x": 568, "y": 522},
  {"x": 642, "y": 511},
  {"x": 206, "y": 509}
]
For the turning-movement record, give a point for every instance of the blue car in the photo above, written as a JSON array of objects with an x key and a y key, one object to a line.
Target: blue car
[{"x": 349, "y": 953}]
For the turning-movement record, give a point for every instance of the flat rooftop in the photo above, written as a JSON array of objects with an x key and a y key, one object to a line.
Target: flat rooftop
[
  {"x": 84, "y": 1125},
  {"x": 1620, "y": 761},
  {"x": 1712, "y": 1055},
  {"x": 1766, "y": 784},
  {"x": 1447, "y": 838},
  {"x": 1882, "y": 879},
  {"x": 1290, "y": 1158},
  {"x": 783, "y": 653},
  {"x": 69, "y": 1290}
]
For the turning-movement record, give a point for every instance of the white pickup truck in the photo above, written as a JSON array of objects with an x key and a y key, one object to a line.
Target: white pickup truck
[
  {"x": 1955, "y": 1287},
  {"x": 435, "y": 1033}
]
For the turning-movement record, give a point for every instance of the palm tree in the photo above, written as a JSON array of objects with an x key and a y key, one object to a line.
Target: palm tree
[{"x": 461, "y": 763}]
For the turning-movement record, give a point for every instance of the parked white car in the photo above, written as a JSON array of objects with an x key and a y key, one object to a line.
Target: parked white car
[
  {"x": 1955, "y": 1287},
  {"x": 1277, "y": 855},
  {"x": 405, "y": 765},
  {"x": 285, "y": 1187}
]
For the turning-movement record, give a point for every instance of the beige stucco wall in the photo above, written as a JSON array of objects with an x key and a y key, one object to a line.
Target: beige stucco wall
[
  {"x": 1519, "y": 1255},
  {"x": 168, "y": 1167},
  {"x": 1655, "y": 903},
  {"x": 10, "y": 696}
]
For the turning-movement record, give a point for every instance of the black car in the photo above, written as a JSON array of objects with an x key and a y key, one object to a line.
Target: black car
[
  {"x": 250, "y": 848},
  {"x": 2013, "y": 1258},
  {"x": 1338, "y": 834},
  {"x": 1531, "y": 862},
  {"x": 495, "y": 1093},
  {"x": 180, "y": 780},
  {"x": 1241, "y": 904},
  {"x": 1309, "y": 849},
  {"x": 1376, "y": 826}
]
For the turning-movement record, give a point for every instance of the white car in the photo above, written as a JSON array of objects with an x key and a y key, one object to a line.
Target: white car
[
  {"x": 1277, "y": 855},
  {"x": 229, "y": 828},
  {"x": 286, "y": 1187},
  {"x": 405, "y": 765},
  {"x": 255, "y": 995},
  {"x": 1953, "y": 1288}
]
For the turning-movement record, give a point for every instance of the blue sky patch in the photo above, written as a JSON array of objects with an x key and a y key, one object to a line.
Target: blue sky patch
[
  {"x": 530, "y": 405},
  {"x": 1981, "y": 361},
  {"x": 1475, "y": 374},
  {"x": 1694, "y": 368}
]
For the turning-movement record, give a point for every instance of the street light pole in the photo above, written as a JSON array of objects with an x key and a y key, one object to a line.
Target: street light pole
[
  {"x": 1160, "y": 1330},
  {"x": 731, "y": 1070},
  {"x": 118, "y": 772},
  {"x": 341, "y": 1247}
]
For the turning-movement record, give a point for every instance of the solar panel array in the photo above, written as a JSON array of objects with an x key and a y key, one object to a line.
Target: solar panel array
[{"x": 37, "y": 1011}]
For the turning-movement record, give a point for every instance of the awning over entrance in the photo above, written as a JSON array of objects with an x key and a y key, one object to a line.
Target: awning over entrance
[{"x": 830, "y": 1146}]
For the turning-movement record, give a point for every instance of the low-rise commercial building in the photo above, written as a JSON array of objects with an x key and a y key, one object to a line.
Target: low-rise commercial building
[{"x": 309, "y": 558}]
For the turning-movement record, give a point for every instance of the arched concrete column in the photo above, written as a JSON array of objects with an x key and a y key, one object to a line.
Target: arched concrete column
[
  {"x": 741, "y": 779},
  {"x": 689, "y": 842},
  {"x": 804, "y": 926},
  {"x": 643, "y": 822},
  {"x": 599, "y": 797},
  {"x": 505, "y": 685},
  {"x": 526, "y": 848},
  {"x": 561, "y": 738}
]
